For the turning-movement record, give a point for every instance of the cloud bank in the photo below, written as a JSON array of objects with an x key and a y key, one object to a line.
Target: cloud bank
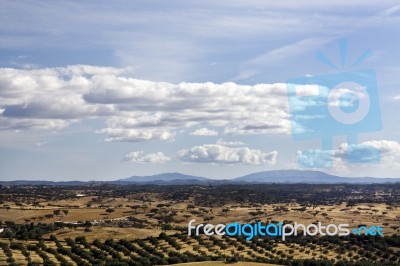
[
  {"x": 140, "y": 157},
  {"x": 133, "y": 109},
  {"x": 204, "y": 132},
  {"x": 383, "y": 151},
  {"x": 219, "y": 154}
]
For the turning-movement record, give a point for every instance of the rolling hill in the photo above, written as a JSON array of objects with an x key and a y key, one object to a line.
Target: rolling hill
[{"x": 275, "y": 176}]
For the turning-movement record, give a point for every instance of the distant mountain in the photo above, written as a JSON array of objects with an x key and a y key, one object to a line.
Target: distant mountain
[
  {"x": 276, "y": 176},
  {"x": 166, "y": 177},
  {"x": 303, "y": 176}
]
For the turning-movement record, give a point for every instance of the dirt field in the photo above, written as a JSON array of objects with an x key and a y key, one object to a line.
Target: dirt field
[
  {"x": 151, "y": 221},
  {"x": 369, "y": 214},
  {"x": 219, "y": 263}
]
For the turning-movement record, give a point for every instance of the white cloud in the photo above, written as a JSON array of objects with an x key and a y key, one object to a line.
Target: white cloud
[
  {"x": 204, "y": 132},
  {"x": 345, "y": 97},
  {"x": 387, "y": 148},
  {"x": 49, "y": 98},
  {"x": 307, "y": 90},
  {"x": 219, "y": 154},
  {"x": 140, "y": 157},
  {"x": 396, "y": 98},
  {"x": 135, "y": 135},
  {"x": 137, "y": 110},
  {"x": 385, "y": 152}
]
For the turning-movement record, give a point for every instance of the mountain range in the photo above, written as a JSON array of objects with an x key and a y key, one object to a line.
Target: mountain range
[{"x": 275, "y": 176}]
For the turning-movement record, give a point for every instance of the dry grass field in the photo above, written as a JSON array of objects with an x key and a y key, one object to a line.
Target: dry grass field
[
  {"x": 220, "y": 263},
  {"x": 156, "y": 219},
  {"x": 368, "y": 214}
]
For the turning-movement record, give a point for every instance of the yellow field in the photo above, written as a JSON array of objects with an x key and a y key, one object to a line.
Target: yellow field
[
  {"x": 217, "y": 263},
  {"x": 371, "y": 214},
  {"x": 129, "y": 228}
]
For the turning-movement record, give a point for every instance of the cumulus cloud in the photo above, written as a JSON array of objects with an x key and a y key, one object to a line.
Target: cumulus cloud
[
  {"x": 345, "y": 97},
  {"x": 49, "y": 98},
  {"x": 375, "y": 151},
  {"x": 137, "y": 110},
  {"x": 204, "y": 132},
  {"x": 396, "y": 98},
  {"x": 135, "y": 135},
  {"x": 387, "y": 148},
  {"x": 141, "y": 157},
  {"x": 219, "y": 154}
]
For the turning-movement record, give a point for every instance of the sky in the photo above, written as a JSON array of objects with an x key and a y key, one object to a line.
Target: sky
[{"x": 102, "y": 90}]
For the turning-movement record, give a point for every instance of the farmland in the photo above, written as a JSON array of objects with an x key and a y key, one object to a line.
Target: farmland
[{"x": 103, "y": 224}]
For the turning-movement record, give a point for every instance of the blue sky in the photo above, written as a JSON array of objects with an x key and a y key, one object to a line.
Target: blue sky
[{"x": 105, "y": 90}]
